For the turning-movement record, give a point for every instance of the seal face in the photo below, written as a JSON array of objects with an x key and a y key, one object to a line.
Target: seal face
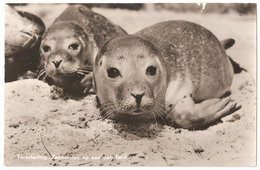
[
  {"x": 130, "y": 80},
  {"x": 70, "y": 45},
  {"x": 23, "y": 32},
  {"x": 174, "y": 70},
  {"x": 66, "y": 52}
]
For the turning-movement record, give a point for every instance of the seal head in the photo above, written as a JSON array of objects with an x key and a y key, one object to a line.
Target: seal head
[
  {"x": 70, "y": 45},
  {"x": 66, "y": 52},
  {"x": 129, "y": 80},
  {"x": 23, "y": 30}
]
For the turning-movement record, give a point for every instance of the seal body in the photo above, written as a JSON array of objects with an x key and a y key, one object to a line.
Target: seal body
[
  {"x": 191, "y": 53},
  {"x": 174, "y": 70},
  {"x": 70, "y": 45},
  {"x": 23, "y": 33}
]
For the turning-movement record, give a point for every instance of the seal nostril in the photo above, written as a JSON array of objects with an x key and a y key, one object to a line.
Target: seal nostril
[
  {"x": 57, "y": 63},
  {"x": 138, "y": 98}
]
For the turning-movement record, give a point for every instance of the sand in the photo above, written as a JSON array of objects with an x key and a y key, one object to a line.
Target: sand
[{"x": 73, "y": 131}]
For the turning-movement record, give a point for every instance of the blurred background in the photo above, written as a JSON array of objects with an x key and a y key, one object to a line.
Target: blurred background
[{"x": 241, "y": 8}]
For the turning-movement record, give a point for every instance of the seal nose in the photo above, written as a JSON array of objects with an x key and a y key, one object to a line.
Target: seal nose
[
  {"x": 138, "y": 98},
  {"x": 57, "y": 63}
]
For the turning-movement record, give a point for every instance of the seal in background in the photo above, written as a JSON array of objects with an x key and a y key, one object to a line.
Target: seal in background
[
  {"x": 69, "y": 47},
  {"x": 23, "y": 33}
]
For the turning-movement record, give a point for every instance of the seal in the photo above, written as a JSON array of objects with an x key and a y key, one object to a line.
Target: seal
[
  {"x": 177, "y": 71},
  {"x": 70, "y": 45},
  {"x": 23, "y": 32}
]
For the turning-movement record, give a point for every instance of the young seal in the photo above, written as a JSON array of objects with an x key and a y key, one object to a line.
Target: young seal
[
  {"x": 176, "y": 70},
  {"x": 23, "y": 33},
  {"x": 70, "y": 45}
]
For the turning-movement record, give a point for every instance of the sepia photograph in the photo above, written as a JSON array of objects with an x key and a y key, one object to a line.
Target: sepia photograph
[{"x": 130, "y": 84}]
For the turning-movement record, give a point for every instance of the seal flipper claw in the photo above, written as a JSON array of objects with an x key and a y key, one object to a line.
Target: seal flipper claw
[
  {"x": 229, "y": 109},
  {"x": 86, "y": 82},
  {"x": 189, "y": 115}
]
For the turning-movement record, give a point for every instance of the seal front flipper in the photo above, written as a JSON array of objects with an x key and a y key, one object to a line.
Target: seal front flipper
[
  {"x": 187, "y": 114},
  {"x": 87, "y": 83}
]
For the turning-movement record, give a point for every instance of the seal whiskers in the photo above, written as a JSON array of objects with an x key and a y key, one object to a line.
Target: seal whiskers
[
  {"x": 23, "y": 34},
  {"x": 41, "y": 74},
  {"x": 160, "y": 111},
  {"x": 107, "y": 110},
  {"x": 154, "y": 117},
  {"x": 69, "y": 47},
  {"x": 83, "y": 70},
  {"x": 161, "y": 72},
  {"x": 108, "y": 114}
]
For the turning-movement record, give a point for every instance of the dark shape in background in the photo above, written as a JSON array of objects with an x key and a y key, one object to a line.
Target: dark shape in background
[{"x": 241, "y": 8}]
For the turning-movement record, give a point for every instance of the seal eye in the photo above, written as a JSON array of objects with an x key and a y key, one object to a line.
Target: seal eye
[
  {"x": 151, "y": 70},
  {"x": 73, "y": 46},
  {"x": 46, "y": 48},
  {"x": 113, "y": 72}
]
